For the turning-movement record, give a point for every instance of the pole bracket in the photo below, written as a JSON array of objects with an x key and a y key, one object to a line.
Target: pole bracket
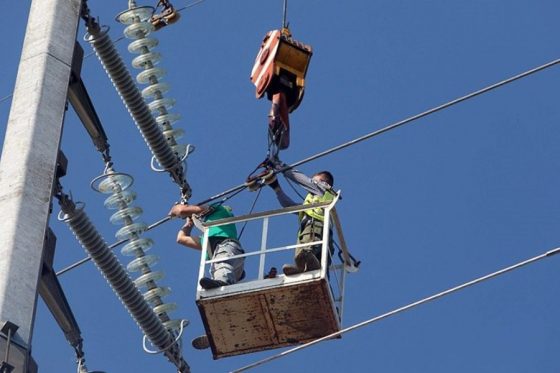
[{"x": 9, "y": 329}]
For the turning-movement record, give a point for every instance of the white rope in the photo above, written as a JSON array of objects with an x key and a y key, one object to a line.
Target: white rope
[{"x": 177, "y": 339}]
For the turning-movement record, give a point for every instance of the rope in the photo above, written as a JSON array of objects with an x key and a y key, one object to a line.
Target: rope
[
  {"x": 250, "y": 211},
  {"x": 404, "y": 308},
  {"x": 294, "y": 189},
  {"x": 177, "y": 339}
]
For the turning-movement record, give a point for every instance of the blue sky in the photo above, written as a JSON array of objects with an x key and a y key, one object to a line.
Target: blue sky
[{"x": 426, "y": 207}]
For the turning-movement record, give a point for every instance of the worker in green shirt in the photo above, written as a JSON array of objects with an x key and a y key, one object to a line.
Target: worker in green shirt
[{"x": 222, "y": 243}]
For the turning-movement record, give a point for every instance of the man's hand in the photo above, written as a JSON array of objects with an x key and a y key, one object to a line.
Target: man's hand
[
  {"x": 176, "y": 211},
  {"x": 187, "y": 227},
  {"x": 276, "y": 163}
]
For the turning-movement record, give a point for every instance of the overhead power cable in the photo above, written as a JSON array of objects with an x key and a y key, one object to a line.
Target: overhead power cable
[
  {"x": 232, "y": 191},
  {"x": 402, "y": 122},
  {"x": 150, "y": 227},
  {"x": 402, "y": 309},
  {"x": 427, "y": 112},
  {"x": 6, "y": 97}
]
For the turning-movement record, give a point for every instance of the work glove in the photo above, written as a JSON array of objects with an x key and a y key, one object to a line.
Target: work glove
[
  {"x": 276, "y": 163},
  {"x": 271, "y": 180}
]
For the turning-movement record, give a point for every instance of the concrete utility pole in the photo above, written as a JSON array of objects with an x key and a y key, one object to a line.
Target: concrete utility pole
[{"x": 27, "y": 168}]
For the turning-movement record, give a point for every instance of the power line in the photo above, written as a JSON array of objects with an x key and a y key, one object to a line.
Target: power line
[
  {"x": 190, "y": 5},
  {"x": 112, "y": 246},
  {"x": 404, "y": 121},
  {"x": 428, "y": 112},
  {"x": 404, "y": 308},
  {"x": 240, "y": 187}
]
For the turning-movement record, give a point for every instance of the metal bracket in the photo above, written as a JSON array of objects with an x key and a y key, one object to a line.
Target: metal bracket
[
  {"x": 6, "y": 368},
  {"x": 9, "y": 329}
]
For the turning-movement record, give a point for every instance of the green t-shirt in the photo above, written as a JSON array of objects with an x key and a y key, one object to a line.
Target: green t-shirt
[{"x": 228, "y": 230}]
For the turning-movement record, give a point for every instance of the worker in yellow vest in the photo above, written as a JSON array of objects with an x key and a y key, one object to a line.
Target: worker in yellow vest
[{"x": 319, "y": 188}]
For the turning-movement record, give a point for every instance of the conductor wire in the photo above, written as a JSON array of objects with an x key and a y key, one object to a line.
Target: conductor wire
[
  {"x": 404, "y": 308},
  {"x": 237, "y": 189},
  {"x": 405, "y": 121},
  {"x": 233, "y": 192},
  {"x": 240, "y": 187},
  {"x": 426, "y": 113}
]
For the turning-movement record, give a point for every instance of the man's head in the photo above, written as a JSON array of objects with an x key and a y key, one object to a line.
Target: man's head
[{"x": 324, "y": 176}]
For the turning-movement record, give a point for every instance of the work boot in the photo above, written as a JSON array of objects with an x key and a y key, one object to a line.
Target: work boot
[
  {"x": 209, "y": 283},
  {"x": 311, "y": 262},
  {"x": 299, "y": 267},
  {"x": 201, "y": 342},
  {"x": 291, "y": 269},
  {"x": 305, "y": 261}
]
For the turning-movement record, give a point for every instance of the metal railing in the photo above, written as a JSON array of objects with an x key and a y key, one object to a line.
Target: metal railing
[{"x": 333, "y": 270}]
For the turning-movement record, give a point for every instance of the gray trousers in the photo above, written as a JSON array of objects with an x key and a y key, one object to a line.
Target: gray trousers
[
  {"x": 229, "y": 271},
  {"x": 312, "y": 230}
]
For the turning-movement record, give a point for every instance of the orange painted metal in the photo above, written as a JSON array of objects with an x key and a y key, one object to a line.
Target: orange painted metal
[{"x": 281, "y": 66}]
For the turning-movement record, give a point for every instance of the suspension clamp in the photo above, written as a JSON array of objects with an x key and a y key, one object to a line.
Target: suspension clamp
[{"x": 168, "y": 16}]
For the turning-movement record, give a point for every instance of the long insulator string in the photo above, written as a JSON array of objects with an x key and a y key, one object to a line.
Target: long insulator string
[
  {"x": 240, "y": 187},
  {"x": 404, "y": 308}
]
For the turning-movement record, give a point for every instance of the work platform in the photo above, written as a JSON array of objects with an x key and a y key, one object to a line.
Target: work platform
[{"x": 265, "y": 313}]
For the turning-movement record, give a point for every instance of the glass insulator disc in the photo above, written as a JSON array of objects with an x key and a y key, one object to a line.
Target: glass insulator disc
[
  {"x": 143, "y": 244},
  {"x": 158, "y": 292},
  {"x": 150, "y": 57},
  {"x": 174, "y": 324},
  {"x": 129, "y": 231},
  {"x": 138, "y": 263},
  {"x": 152, "y": 90},
  {"x": 165, "y": 103},
  {"x": 120, "y": 217},
  {"x": 120, "y": 200},
  {"x": 112, "y": 183},
  {"x": 142, "y": 12},
  {"x": 169, "y": 118},
  {"x": 138, "y": 30},
  {"x": 145, "y": 278},
  {"x": 145, "y": 76},
  {"x": 175, "y": 133},
  {"x": 165, "y": 308},
  {"x": 138, "y": 46}
]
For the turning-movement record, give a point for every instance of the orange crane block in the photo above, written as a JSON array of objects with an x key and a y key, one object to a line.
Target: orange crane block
[{"x": 280, "y": 66}]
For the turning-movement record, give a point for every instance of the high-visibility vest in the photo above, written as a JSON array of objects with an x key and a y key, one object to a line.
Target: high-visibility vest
[{"x": 316, "y": 213}]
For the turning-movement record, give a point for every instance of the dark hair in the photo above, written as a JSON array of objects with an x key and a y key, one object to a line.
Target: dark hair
[{"x": 327, "y": 176}]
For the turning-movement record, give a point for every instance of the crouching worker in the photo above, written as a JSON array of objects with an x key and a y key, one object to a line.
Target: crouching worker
[{"x": 222, "y": 243}]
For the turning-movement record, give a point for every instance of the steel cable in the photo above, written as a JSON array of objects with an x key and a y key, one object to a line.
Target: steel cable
[
  {"x": 402, "y": 309},
  {"x": 240, "y": 187}
]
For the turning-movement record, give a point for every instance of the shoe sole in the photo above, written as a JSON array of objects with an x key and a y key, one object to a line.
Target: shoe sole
[{"x": 201, "y": 342}]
